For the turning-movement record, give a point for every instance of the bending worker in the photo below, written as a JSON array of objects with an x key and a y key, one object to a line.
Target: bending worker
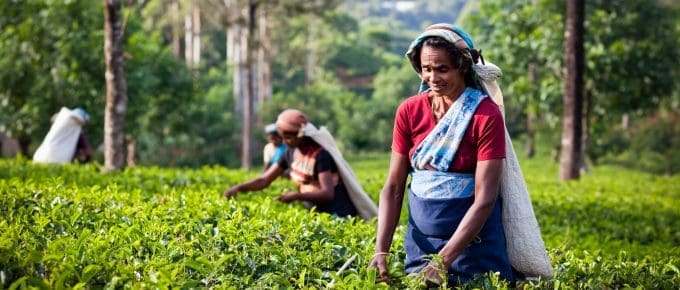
[{"x": 324, "y": 179}]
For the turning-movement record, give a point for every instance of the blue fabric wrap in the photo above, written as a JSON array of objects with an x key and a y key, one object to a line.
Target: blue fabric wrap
[
  {"x": 440, "y": 215},
  {"x": 278, "y": 153},
  {"x": 430, "y": 184},
  {"x": 439, "y": 147},
  {"x": 431, "y": 224}
]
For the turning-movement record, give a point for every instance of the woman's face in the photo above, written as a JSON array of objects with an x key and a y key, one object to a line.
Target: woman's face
[
  {"x": 439, "y": 73},
  {"x": 291, "y": 139},
  {"x": 274, "y": 139}
]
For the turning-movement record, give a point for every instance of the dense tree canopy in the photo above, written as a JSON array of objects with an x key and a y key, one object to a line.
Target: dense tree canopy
[
  {"x": 343, "y": 56},
  {"x": 630, "y": 48}
]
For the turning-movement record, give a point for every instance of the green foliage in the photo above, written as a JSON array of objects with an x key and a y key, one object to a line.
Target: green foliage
[
  {"x": 373, "y": 128},
  {"x": 358, "y": 123},
  {"x": 630, "y": 44},
  {"x": 183, "y": 116},
  {"x": 326, "y": 104},
  {"x": 327, "y": 45},
  {"x": 148, "y": 227},
  {"x": 516, "y": 35},
  {"x": 609, "y": 210},
  {"x": 628, "y": 48},
  {"x": 57, "y": 60},
  {"x": 653, "y": 145},
  {"x": 51, "y": 57}
]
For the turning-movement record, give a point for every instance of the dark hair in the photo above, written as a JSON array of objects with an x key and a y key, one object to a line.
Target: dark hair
[{"x": 458, "y": 60}]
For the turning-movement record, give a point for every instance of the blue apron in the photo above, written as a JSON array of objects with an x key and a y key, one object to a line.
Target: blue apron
[{"x": 438, "y": 200}]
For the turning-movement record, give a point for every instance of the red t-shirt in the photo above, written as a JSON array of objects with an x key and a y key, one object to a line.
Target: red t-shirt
[{"x": 484, "y": 138}]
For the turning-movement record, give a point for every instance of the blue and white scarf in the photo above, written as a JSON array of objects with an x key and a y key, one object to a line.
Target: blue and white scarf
[
  {"x": 434, "y": 155},
  {"x": 437, "y": 150}
]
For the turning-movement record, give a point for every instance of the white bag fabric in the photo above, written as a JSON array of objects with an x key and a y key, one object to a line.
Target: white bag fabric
[
  {"x": 59, "y": 144},
  {"x": 526, "y": 249},
  {"x": 362, "y": 202}
]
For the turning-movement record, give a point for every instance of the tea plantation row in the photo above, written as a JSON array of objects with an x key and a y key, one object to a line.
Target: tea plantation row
[{"x": 73, "y": 227}]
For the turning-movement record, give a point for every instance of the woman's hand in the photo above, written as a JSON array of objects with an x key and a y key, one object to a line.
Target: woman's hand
[
  {"x": 434, "y": 273},
  {"x": 257, "y": 183},
  {"x": 288, "y": 196},
  {"x": 231, "y": 192},
  {"x": 379, "y": 262}
]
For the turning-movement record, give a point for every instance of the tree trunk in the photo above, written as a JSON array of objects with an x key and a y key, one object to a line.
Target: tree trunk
[
  {"x": 264, "y": 87},
  {"x": 10, "y": 146},
  {"x": 116, "y": 90},
  {"x": 573, "y": 96},
  {"x": 247, "y": 62},
  {"x": 234, "y": 55},
  {"x": 232, "y": 16},
  {"x": 585, "y": 122},
  {"x": 188, "y": 40},
  {"x": 196, "y": 41},
  {"x": 174, "y": 16},
  {"x": 246, "y": 102},
  {"x": 310, "y": 62},
  {"x": 131, "y": 152},
  {"x": 237, "y": 74},
  {"x": 530, "y": 149},
  {"x": 625, "y": 121}
]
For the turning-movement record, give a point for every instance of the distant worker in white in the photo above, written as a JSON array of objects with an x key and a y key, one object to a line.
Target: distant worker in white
[{"x": 66, "y": 139}]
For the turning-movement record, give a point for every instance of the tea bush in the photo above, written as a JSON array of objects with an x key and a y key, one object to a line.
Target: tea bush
[{"x": 147, "y": 227}]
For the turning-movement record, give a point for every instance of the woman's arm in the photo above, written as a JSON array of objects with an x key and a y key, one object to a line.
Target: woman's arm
[
  {"x": 260, "y": 182},
  {"x": 325, "y": 192},
  {"x": 391, "y": 200},
  {"x": 487, "y": 179}
]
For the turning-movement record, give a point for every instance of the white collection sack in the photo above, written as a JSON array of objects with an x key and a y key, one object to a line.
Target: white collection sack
[
  {"x": 526, "y": 249},
  {"x": 59, "y": 144},
  {"x": 362, "y": 202}
]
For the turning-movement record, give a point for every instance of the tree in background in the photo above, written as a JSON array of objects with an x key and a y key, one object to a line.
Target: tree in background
[
  {"x": 627, "y": 71},
  {"x": 528, "y": 46},
  {"x": 116, "y": 89},
  {"x": 573, "y": 92},
  {"x": 631, "y": 70},
  {"x": 58, "y": 60},
  {"x": 189, "y": 116}
]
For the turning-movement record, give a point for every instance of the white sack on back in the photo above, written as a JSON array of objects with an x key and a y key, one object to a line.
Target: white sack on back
[
  {"x": 362, "y": 202},
  {"x": 59, "y": 144},
  {"x": 526, "y": 249}
]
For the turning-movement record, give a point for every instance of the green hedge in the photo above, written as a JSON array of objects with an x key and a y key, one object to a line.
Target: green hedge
[{"x": 73, "y": 227}]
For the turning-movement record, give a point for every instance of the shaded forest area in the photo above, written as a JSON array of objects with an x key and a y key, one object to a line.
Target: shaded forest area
[{"x": 195, "y": 70}]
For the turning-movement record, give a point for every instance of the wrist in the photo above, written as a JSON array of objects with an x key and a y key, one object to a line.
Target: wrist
[
  {"x": 380, "y": 254},
  {"x": 380, "y": 248},
  {"x": 447, "y": 260}
]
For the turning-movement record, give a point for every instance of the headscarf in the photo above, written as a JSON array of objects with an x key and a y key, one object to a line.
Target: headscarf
[
  {"x": 485, "y": 73},
  {"x": 449, "y": 33},
  {"x": 82, "y": 114},
  {"x": 270, "y": 129},
  {"x": 291, "y": 120}
]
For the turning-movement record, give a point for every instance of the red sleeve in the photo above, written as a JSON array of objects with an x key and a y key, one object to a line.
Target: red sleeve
[
  {"x": 401, "y": 140},
  {"x": 491, "y": 142}
]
